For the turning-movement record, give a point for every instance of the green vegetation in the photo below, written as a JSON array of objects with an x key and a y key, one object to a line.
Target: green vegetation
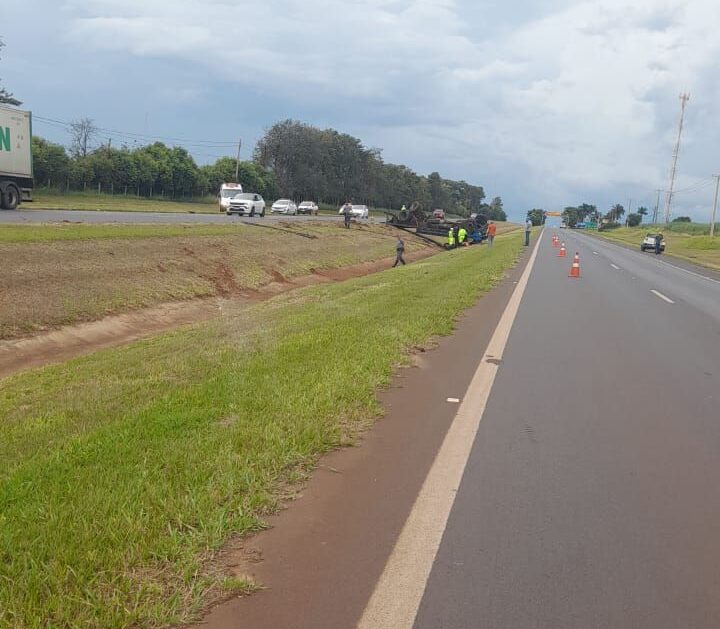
[
  {"x": 53, "y": 200},
  {"x": 690, "y": 246},
  {"x": 123, "y": 472},
  {"x": 291, "y": 160},
  {"x": 55, "y": 275},
  {"x": 87, "y": 231}
]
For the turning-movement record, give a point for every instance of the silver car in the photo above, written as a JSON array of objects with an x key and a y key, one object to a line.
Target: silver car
[
  {"x": 308, "y": 207},
  {"x": 284, "y": 206}
]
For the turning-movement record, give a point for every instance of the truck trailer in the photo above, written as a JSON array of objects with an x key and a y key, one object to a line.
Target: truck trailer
[{"x": 16, "y": 176}]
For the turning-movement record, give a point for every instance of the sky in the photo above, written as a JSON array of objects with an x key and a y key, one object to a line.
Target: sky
[{"x": 546, "y": 103}]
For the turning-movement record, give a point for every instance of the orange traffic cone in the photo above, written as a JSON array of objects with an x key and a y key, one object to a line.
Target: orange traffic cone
[
  {"x": 561, "y": 253},
  {"x": 575, "y": 268},
  {"x": 555, "y": 242}
]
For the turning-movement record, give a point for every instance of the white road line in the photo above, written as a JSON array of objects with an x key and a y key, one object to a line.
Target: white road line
[
  {"x": 398, "y": 592},
  {"x": 595, "y": 253},
  {"x": 659, "y": 294},
  {"x": 615, "y": 266}
]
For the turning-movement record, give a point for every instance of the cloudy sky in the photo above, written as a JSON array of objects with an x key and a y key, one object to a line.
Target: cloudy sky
[{"x": 545, "y": 102}]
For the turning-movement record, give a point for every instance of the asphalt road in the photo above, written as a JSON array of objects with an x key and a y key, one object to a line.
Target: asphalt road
[
  {"x": 101, "y": 216},
  {"x": 591, "y": 497}
]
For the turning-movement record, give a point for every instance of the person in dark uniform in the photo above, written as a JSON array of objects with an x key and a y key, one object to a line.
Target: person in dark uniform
[
  {"x": 658, "y": 242},
  {"x": 399, "y": 250}
]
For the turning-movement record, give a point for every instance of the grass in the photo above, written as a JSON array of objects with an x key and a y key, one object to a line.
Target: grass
[
  {"x": 123, "y": 472},
  {"x": 693, "y": 247},
  {"x": 56, "y": 275},
  {"x": 44, "y": 199}
]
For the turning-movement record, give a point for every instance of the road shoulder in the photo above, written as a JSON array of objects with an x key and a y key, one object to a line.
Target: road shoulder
[{"x": 321, "y": 558}]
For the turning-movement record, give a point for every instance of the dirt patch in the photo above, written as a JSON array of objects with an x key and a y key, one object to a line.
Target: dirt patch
[
  {"x": 76, "y": 340},
  {"x": 49, "y": 284}
]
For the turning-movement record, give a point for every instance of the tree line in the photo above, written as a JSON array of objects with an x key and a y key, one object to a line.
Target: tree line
[
  {"x": 572, "y": 215},
  {"x": 292, "y": 160}
]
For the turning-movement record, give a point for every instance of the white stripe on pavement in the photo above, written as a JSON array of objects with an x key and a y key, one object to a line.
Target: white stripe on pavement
[
  {"x": 615, "y": 266},
  {"x": 398, "y": 592},
  {"x": 659, "y": 294}
]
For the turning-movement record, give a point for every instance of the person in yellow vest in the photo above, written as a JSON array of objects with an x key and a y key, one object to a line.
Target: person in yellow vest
[
  {"x": 451, "y": 239},
  {"x": 462, "y": 237}
]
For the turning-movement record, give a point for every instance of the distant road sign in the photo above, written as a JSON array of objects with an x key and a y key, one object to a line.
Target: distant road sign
[{"x": 553, "y": 213}]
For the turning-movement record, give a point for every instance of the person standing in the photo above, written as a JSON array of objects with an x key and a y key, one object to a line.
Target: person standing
[
  {"x": 528, "y": 227},
  {"x": 451, "y": 239},
  {"x": 347, "y": 214},
  {"x": 658, "y": 243},
  {"x": 491, "y": 231},
  {"x": 399, "y": 250}
]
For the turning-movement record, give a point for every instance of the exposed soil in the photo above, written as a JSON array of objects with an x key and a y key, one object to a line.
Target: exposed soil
[{"x": 76, "y": 340}]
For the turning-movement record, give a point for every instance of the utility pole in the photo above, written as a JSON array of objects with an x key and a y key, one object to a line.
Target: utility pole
[
  {"x": 715, "y": 204},
  {"x": 237, "y": 162},
  {"x": 657, "y": 207},
  {"x": 684, "y": 98}
]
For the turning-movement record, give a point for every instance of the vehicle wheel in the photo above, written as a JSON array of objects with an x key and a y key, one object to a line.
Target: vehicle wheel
[
  {"x": 10, "y": 197},
  {"x": 262, "y": 214},
  {"x": 252, "y": 212},
  {"x": 642, "y": 247}
]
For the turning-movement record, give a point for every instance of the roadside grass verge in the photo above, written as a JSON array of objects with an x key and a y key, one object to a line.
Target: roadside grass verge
[
  {"x": 123, "y": 472},
  {"x": 699, "y": 249},
  {"x": 55, "y": 275},
  {"x": 47, "y": 200}
]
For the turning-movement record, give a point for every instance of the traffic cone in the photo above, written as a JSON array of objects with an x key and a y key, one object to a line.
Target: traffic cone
[
  {"x": 555, "y": 242},
  {"x": 561, "y": 253},
  {"x": 575, "y": 268}
]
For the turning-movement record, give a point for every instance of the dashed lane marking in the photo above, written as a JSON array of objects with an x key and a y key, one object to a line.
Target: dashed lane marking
[{"x": 663, "y": 297}]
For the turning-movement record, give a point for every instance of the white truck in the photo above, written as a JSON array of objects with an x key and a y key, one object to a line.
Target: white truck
[{"x": 16, "y": 174}]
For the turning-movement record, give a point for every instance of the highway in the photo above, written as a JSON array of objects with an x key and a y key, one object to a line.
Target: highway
[
  {"x": 590, "y": 497},
  {"x": 103, "y": 217}
]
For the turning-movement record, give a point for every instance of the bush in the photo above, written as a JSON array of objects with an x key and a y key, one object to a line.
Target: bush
[
  {"x": 633, "y": 220},
  {"x": 682, "y": 219}
]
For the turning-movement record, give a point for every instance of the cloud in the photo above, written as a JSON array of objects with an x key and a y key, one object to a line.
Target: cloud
[{"x": 580, "y": 97}]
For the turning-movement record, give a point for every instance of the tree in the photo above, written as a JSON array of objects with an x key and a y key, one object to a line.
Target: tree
[
  {"x": 571, "y": 216},
  {"x": 642, "y": 211},
  {"x": 495, "y": 210},
  {"x": 6, "y": 98},
  {"x": 50, "y": 162},
  {"x": 633, "y": 220},
  {"x": 682, "y": 219},
  {"x": 536, "y": 216},
  {"x": 82, "y": 133},
  {"x": 616, "y": 212}
]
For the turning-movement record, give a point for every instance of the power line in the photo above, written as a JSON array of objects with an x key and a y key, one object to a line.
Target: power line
[{"x": 140, "y": 136}]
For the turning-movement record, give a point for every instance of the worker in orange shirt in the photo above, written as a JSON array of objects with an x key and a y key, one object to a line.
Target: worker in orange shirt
[{"x": 491, "y": 230}]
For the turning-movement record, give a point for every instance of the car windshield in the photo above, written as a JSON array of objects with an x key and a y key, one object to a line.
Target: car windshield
[
  {"x": 244, "y": 195},
  {"x": 282, "y": 202},
  {"x": 228, "y": 192},
  {"x": 306, "y": 204},
  {"x": 358, "y": 207}
]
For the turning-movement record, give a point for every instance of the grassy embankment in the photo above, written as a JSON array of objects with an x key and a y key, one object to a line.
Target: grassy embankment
[
  {"x": 55, "y": 275},
  {"x": 45, "y": 199},
  {"x": 122, "y": 472},
  {"x": 691, "y": 244}
]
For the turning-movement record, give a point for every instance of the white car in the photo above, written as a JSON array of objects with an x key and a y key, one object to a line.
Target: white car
[
  {"x": 358, "y": 211},
  {"x": 649, "y": 243},
  {"x": 284, "y": 206},
  {"x": 246, "y": 203},
  {"x": 308, "y": 207}
]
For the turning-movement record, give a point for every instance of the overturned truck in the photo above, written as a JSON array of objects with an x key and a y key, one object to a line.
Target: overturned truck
[{"x": 416, "y": 218}]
